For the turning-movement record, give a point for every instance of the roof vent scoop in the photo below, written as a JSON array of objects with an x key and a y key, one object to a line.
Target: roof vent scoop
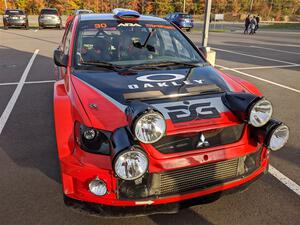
[{"x": 126, "y": 13}]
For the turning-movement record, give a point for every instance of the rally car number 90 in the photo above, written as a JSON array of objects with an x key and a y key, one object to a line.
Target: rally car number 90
[{"x": 144, "y": 121}]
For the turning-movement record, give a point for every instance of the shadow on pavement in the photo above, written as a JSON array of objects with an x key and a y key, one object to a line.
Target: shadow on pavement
[
  {"x": 186, "y": 216},
  {"x": 28, "y": 137}
]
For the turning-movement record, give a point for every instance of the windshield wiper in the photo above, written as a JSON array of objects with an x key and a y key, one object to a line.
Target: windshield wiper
[
  {"x": 167, "y": 63},
  {"x": 106, "y": 65}
]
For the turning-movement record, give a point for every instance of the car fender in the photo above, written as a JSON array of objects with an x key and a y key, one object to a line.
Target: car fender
[
  {"x": 245, "y": 85},
  {"x": 63, "y": 120}
]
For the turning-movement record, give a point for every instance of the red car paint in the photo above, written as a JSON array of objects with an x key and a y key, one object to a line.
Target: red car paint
[{"x": 72, "y": 98}]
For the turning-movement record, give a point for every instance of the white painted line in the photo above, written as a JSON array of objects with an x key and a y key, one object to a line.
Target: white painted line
[
  {"x": 275, "y": 50},
  {"x": 6, "y": 113},
  {"x": 261, "y": 79},
  {"x": 285, "y": 180},
  {"x": 40, "y": 82},
  {"x": 263, "y": 67},
  {"x": 29, "y": 82},
  {"x": 253, "y": 56},
  {"x": 7, "y": 84}
]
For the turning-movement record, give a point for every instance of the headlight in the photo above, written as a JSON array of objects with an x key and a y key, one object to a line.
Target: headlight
[
  {"x": 150, "y": 127},
  {"x": 279, "y": 137},
  {"x": 260, "y": 113},
  {"x": 92, "y": 140},
  {"x": 132, "y": 164}
]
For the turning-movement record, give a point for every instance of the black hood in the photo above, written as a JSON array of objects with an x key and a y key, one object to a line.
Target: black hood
[{"x": 122, "y": 86}]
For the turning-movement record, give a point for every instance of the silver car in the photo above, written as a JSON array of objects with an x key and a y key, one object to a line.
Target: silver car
[{"x": 49, "y": 17}]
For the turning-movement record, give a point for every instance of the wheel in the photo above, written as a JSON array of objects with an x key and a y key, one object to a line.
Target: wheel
[
  {"x": 188, "y": 30},
  {"x": 40, "y": 27}
]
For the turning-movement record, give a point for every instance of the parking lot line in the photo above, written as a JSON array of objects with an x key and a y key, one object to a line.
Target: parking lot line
[
  {"x": 6, "y": 113},
  {"x": 259, "y": 78},
  {"x": 253, "y": 56},
  {"x": 28, "y": 82},
  {"x": 275, "y": 50},
  {"x": 285, "y": 180},
  {"x": 263, "y": 67}
]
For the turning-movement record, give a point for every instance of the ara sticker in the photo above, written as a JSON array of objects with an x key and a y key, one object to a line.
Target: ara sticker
[{"x": 129, "y": 25}]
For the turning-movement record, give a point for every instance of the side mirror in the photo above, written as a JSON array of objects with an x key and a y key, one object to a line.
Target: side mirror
[{"x": 60, "y": 59}]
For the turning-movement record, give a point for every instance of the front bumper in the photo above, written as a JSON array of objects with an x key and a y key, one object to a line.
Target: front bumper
[
  {"x": 79, "y": 168},
  {"x": 169, "y": 208}
]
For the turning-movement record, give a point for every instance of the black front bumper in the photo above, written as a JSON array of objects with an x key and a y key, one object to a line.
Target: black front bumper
[{"x": 134, "y": 211}]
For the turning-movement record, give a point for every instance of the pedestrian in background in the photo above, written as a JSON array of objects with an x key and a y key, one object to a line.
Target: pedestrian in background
[
  {"x": 257, "y": 22},
  {"x": 252, "y": 25},
  {"x": 247, "y": 23}
]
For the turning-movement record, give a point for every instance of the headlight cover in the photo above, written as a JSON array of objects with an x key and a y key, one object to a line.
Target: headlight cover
[
  {"x": 131, "y": 164},
  {"x": 260, "y": 113},
  {"x": 149, "y": 127},
  {"x": 279, "y": 137}
]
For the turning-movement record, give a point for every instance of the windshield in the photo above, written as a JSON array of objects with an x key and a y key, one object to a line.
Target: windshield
[
  {"x": 49, "y": 11},
  {"x": 185, "y": 16},
  {"x": 84, "y": 11},
  {"x": 14, "y": 12},
  {"x": 127, "y": 44}
]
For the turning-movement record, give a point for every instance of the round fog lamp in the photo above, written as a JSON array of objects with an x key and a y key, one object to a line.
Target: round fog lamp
[
  {"x": 89, "y": 134},
  {"x": 150, "y": 127},
  {"x": 131, "y": 165},
  {"x": 279, "y": 137},
  {"x": 98, "y": 187},
  {"x": 260, "y": 113}
]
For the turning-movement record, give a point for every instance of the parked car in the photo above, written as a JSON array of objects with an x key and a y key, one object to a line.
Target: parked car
[
  {"x": 15, "y": 18},
  {"x": 182, "y": 20},
  {"x": 83, "y": 11},
  {"x": 77, "y": 12},
  {"x": 49, "y": 17},
  {"x": 144, "y": 124}
]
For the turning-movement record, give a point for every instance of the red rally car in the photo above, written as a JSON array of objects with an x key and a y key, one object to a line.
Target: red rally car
[{"x": 144, "y": 124}]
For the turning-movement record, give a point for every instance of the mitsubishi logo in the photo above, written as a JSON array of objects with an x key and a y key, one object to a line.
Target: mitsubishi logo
[{"x": 202, "y": 142}]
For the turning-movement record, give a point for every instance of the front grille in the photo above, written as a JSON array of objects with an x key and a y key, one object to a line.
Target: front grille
[
  {"x": 204, "y": 176},
  {"x": 199, "y": 140},
  {"x": 189, "y": 179}
]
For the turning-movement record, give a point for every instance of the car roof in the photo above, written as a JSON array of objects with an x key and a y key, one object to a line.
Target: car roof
[
  {"x": 110, "y": 16},
  {"x": 49, "y": 9},
  {"x": 14, "y": 10}
]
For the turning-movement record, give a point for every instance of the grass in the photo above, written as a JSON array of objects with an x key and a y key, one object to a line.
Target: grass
[{"x": 287, "y": 26}]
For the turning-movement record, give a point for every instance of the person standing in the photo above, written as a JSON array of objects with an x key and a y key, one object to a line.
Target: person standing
[
  {"x": 257, "y": 22},
  {"x": 247, "y": 23},
  {"x": 252, "y": 25}
]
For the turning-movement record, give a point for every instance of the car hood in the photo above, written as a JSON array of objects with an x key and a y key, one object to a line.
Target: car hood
[
  {"x": 177, "y": 94},
  {"x": 154, "y": 84}
]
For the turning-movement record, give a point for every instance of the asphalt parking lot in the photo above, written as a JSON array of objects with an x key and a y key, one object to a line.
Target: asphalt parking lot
[{"x": 30, "y": 186}]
